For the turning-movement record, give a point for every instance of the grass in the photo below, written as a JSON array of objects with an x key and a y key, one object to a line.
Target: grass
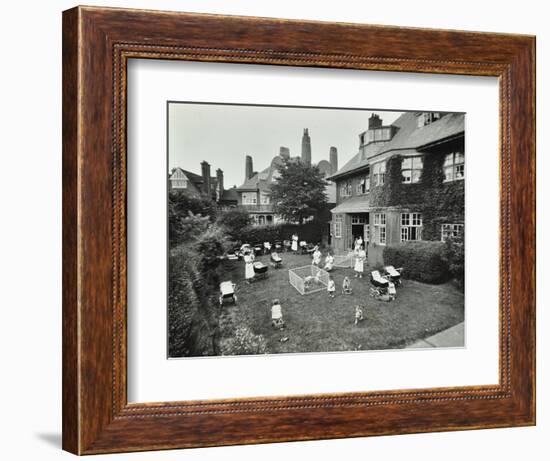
[{"x": 317, "y": 323}]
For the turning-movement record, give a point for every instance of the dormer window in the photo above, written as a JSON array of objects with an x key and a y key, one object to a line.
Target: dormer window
[{"x": 425, "y": 118}]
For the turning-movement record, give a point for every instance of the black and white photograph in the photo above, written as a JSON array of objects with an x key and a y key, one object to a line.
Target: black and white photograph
[{"x": 314, "y": 229}]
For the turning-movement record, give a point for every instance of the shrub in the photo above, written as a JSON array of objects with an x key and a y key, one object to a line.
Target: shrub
[
  {"x": 453, "y": 254},
  {"x": 422, "y": 261},
  {"x": 244, "y": 343}
]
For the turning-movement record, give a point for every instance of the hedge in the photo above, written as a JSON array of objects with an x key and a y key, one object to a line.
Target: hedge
[
  {"x": 310, "y": 232},
  {"x": 422, "y": 261}
]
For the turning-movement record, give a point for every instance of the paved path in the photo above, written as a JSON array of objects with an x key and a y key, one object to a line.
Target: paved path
[{"x": 452, "y": 337}]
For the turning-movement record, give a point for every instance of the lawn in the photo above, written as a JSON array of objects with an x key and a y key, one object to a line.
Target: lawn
[{"x": 317, "y": 323}]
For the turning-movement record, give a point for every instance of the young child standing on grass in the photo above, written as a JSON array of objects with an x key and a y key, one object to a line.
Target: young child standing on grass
[{"x": 331, "y": 287}]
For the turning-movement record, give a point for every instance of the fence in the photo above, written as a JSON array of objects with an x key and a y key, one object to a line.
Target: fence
[
  {"x": 308, "y": 279},
  {"x": 344, "y": 260}
]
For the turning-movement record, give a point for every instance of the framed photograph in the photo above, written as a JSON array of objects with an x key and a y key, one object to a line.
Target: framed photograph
[{"x": 281, "y": 230}]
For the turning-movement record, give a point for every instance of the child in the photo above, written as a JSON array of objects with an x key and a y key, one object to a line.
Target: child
[
  {"x": 329, "y": 262},
  {"x": 358, "y": 315},
  {"x": 346, "y": 286},
  {"x": 331, "y": 287}
]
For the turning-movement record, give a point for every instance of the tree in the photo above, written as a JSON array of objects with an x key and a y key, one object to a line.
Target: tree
[
  {"x": 299, "y": 191},
  {"x": 234, "y": 220}
]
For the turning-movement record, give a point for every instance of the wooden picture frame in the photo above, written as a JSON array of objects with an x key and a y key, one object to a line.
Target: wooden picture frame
[{"x": 97, "y": 43}]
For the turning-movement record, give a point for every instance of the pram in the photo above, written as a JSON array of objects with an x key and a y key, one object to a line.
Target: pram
[
  {"x": 227, "y": 293},
  {"x": 260, "y": 270},
  {"x": 306, "y": 248},
  {"x": 278, "y": 246},
  {"x": 276, "y": 260},
  {"x": 258, "y": 249},
  {"x": 383, "y": 288},
  {"x": 393, "y": 274},
  {"x": 277, "y": 320}
]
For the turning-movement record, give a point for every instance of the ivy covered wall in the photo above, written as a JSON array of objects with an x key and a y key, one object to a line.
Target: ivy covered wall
[{"x": 439, "y": 202}]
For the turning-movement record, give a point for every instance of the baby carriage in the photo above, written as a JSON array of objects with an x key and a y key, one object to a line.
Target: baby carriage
[
  {"x": 278, "y": 245},
  {"x": 276, "y": 260},
  {"x": 258, "y": 249},
  {"x": 287, "y": 244},
  {"x": 227, "y": 293},
  {"x": 393, "y": 274},
  {"x": 277, "y": 320},
  {"x": 260, "y": 270},
  {"x": 383, "y": 288}
]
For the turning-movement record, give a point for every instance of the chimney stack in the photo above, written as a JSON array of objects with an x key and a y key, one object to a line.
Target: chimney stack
[
  {"x": 205, "y": 169},
  {"x": 284, "y": 152},
  {"x": 248, "y": 172},
  {"x": 306, "y": 147},
  {"x": 333, "y": 158},
  {"x": 219, "y": 178},
  {"x": 374, "y": 121}
]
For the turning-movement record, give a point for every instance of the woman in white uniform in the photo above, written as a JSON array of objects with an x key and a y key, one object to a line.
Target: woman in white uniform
[
  {"x": 316, "y": 257},
  {"x": 249, "y": 266},
  {"x": 294, "y": 246},
  {"x": 360, "y": 257}
]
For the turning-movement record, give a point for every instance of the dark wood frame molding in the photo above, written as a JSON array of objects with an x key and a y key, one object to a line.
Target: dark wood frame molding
[{"x": 97, "y": 43}]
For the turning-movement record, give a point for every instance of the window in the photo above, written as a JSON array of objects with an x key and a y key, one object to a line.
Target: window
[
  {"x": 179, "y": 183},
  {"x": 411, "y": 226},
  {"x": 451, "y": 231},
  {"x": 362, "y": 138},
  {"x": 427, "y": 117},
  {"x": 363, "y": 185},
  {"x": 380, "y": 228},
  {"x": 453, "y": 166},
  {"x": 249, "y": 198},
  {"x": 357, "y": 219},
  {"x": 379, "y": 175},
  {"x": 265, "y": 198},
  {"x": 411, "y": 169},
  {"x": 345, "y": 189},
  {"x": 367, "y": 233},
  {"x": 338, "y": 226}
]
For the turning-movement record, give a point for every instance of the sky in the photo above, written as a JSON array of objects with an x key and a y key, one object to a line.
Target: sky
[{"x": 224, "y": 134}]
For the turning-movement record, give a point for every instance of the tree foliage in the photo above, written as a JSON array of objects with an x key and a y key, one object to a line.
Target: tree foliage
[
  {"x": 299, "y": 191},
  {"x": 234, "y": 221}
]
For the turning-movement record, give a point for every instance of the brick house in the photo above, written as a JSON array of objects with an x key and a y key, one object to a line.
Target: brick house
[
  {"x": 204, "y": 185},
  {"x": 254, "y": 194},
  {"x": 406, "y": 183}
]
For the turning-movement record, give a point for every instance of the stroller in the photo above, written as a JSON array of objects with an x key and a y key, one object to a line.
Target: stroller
[
  {"x": 227, "y": 293},
  {"x": 277, "y": 320},
  {"x": 276, "y": 260},
  {"x": 393, "y": 274},
  {"x": 260, "y": 270},
  {"x": 278, "y": 246},
  {"x": 383, "y": 289}
]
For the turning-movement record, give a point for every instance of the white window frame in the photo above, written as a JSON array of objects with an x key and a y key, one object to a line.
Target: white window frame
[
  {"x": 250, "y": 198},
  {"x": 338, "y": 226},
  {"x": 410, "y": 221},
  {"x": 450, "y": 163},
  {"x": 380, "y": 228},
  {"x": 379, "y": 173},
  {"x": 418, "y": 166},
  {"x": 451, "y": 230}
]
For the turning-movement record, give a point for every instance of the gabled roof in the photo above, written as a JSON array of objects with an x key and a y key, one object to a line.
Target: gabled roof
[
  {"x": 264, "y": 178},
  {"x": 408, "y": 136},
  {"x": 194, "y": 178}
]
